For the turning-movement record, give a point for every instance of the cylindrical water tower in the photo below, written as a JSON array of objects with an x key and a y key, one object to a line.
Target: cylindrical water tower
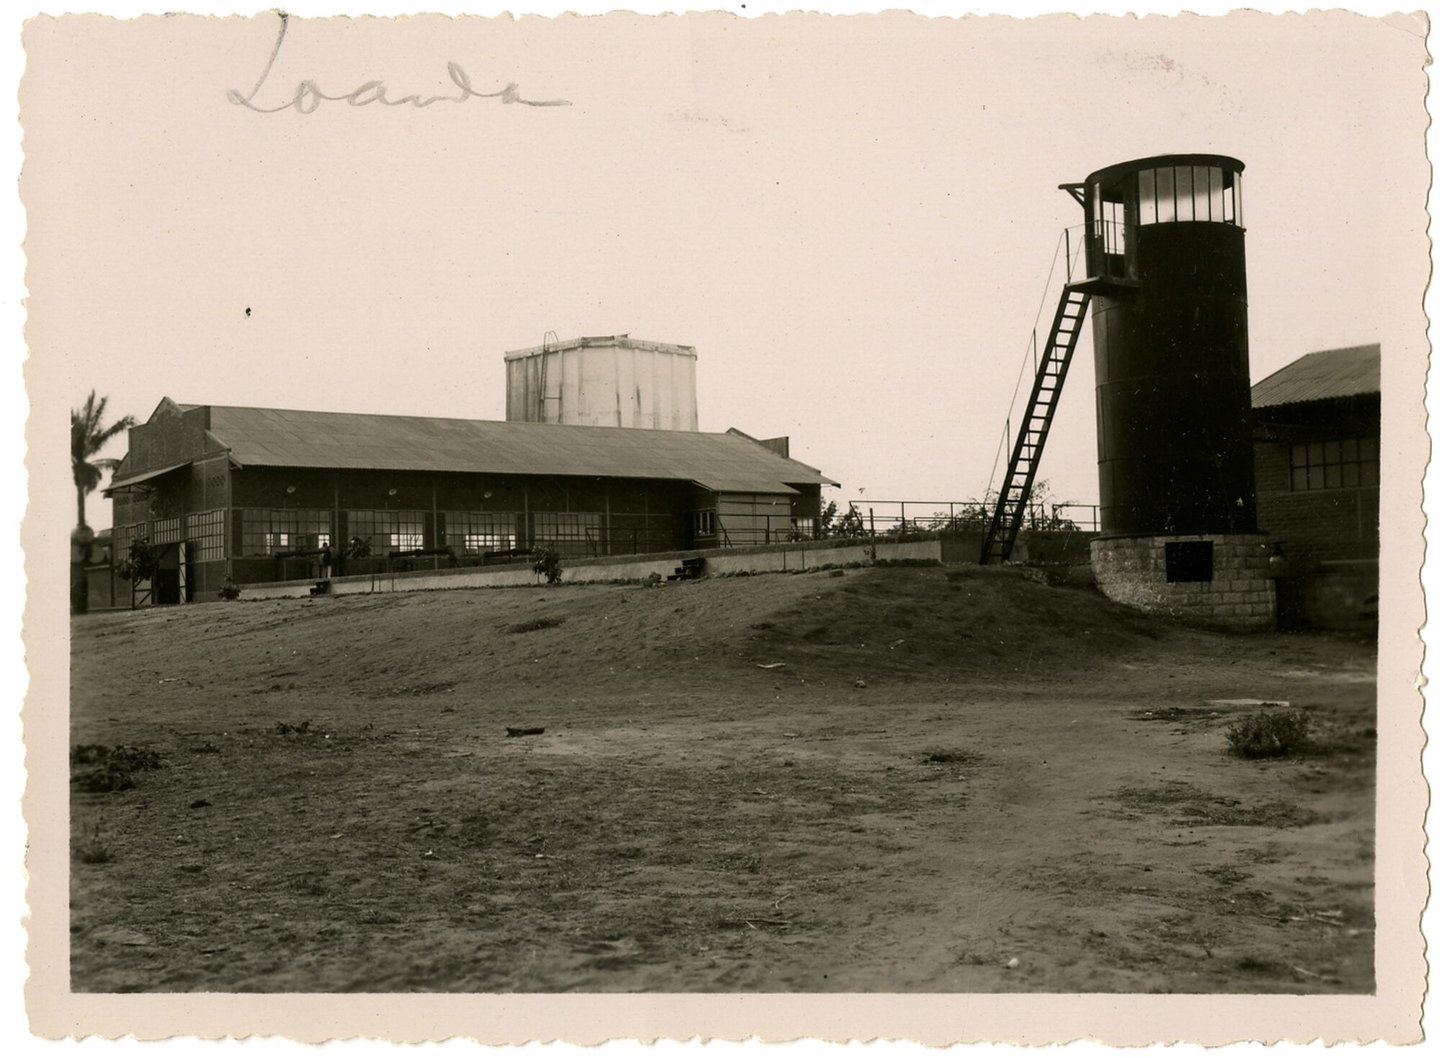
[
  {"x": 609, "y": 380},
  {"x": 1165, "y": 250}
]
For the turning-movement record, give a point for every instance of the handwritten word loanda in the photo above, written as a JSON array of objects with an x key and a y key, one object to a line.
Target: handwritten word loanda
[{"x": 308, "y": 95}]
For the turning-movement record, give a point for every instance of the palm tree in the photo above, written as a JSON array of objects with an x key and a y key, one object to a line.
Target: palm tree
[{"x": 88, "y": 435}]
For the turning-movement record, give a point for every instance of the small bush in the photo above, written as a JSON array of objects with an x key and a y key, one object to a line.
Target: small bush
[
  {"x": 546, "y": 561},
  {"x": 107, "y": 769},
  {"x": 229, "y": 590},
  {"x": 1267, "y": 735},
  {"x": 142, "y": 562}
]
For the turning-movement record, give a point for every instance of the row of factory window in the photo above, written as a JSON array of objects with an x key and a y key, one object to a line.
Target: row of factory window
[
  {"x": 272, "y": 531},
  {"x": 1353, "y": 463},
  {"x": 269, "y": 531},
  {"x": 265, "y": 532}
]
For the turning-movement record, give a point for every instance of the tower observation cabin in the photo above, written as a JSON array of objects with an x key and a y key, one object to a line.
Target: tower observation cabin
[{"x": 1121, "y": 200}]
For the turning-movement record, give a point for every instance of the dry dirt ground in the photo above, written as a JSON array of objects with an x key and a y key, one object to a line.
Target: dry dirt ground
[{"x": 893, "y": 779}]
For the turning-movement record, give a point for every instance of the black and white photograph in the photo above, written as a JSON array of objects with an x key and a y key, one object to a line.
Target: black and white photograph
[{"x": 622, "y": 511}]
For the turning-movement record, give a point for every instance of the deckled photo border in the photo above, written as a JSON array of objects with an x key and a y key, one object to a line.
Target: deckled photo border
[{"x": 1028, "y": 1019}]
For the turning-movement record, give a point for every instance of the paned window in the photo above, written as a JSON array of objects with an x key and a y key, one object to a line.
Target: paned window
[
  {"x": 1189, "y": 192},
  {"x": 572, "y": 534},
  {"x": 1111, "y": 225},
  {"x": 389, "y": 530},
  {"x": 121, "y": 537},
  {"x": 165, "y": 531},
  {"x": 206, "y": 533},
  {"x": 1347, "y": 464},
  {"x": 268, "y": 531},
  {"x": 476, "y": 532}
]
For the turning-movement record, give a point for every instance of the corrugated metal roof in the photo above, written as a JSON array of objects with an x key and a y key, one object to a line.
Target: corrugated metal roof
[
  {"x": 273, "y": 437},
  {"x": 1325, "y": 375},
  {"x": 121, "y": 479}
]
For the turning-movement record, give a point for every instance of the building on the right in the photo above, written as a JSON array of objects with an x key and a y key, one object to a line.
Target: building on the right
[{"x": 1317, "y": 479}]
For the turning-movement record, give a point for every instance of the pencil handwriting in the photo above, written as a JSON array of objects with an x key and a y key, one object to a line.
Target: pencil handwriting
[{"x": 308, "y": 96}]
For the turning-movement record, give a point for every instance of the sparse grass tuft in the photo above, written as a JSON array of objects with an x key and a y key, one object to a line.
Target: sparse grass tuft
[
  {"x": 535, "y": 625},
  {"x": 108, "y": 769},
  {"x": 951, "y": 756},
  {"x": 93, "y": 848},
  {"x": 1262, "y": 736}
]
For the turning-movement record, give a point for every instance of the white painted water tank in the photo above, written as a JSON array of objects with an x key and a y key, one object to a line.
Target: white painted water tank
[{"x": 611, "y": 380}]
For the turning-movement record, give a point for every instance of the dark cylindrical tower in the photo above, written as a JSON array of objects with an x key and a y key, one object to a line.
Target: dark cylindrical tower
[
  {"x": 1165, "y": 241},
  {"x": 1165, "y": 255}
]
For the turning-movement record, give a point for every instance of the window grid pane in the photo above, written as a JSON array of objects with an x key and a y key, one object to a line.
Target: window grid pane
[
  {"x": 206, "y": 533},
  {"x": 1165, "y": 194},
  {"x": 1114, "y": 220},
  {"x": 1184, "y": 194},
  {"x": 1202, "y": 192},
  {"x": 475, "y": 532},
  {"x": 1335, "y": 464},
  {"x": 388, "y": 530},
  {"x": 572, "y": 534},
  {"x": 267, "y": 531},
  {"x": 1147, "y": 196},
  {"x": 1216, "y": 206}
]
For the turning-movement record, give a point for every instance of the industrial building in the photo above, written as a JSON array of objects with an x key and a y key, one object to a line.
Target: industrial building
[
  {"x": 1317, "y": 477},
  {"x": 249, "y": 494}
]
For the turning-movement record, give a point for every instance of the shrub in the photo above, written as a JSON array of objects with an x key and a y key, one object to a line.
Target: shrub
[
  {"x": 546, "y": 561},
  {"x": 106, "y": 769},
  {"x": 229, "y": 590},
  {"x": 1265, "y": 735},
  {"x": 142, "y": 562}
]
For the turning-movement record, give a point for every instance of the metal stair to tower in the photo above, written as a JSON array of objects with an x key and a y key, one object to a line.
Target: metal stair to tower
[{"x": 1024, "y": 462}]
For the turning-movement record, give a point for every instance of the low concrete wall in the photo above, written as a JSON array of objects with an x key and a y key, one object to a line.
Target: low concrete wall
[
  {"x": 1241, "y": 595},
  {"x": 1032, "y": 547},
  {"x": 774, "y": 558},
  {"x": 1069, "y": 547}
]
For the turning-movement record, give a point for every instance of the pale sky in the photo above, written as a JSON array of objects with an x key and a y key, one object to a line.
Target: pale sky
[{"x": 852, "y": 220}]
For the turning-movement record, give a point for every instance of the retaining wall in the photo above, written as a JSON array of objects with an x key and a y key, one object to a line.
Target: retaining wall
[{"x": 764, "y": 559}]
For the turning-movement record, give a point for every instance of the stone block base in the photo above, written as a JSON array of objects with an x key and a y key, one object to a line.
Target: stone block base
[{"x": 1239, "y": 594}]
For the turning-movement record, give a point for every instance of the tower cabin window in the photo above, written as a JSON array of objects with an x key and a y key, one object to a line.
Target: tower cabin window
[
  {"x": 1111, "y": 225},
  {"x": 1179, "y": 193}
]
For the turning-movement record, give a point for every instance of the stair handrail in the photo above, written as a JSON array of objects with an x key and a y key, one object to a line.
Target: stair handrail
[{"x": 1073, "y": 248}]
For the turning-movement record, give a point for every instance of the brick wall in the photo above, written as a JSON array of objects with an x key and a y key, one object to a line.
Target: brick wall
[
  {"x": 1314, "y": 526},
  {"x": 1321, "y": 524},
  {"x": 1240, "y": 595}
]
